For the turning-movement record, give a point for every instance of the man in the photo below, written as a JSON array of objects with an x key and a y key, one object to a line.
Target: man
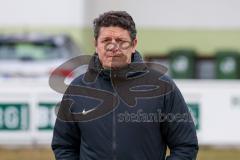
[{"x": 122, "y": 109}]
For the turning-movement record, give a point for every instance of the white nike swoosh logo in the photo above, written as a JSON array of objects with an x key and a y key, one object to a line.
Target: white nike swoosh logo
[{"x": 86, "y": 112}]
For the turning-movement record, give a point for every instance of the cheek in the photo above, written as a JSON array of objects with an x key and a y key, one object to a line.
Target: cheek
[
  {"x": 100, "y": 51},
  {"x": 128, "y": 55}
]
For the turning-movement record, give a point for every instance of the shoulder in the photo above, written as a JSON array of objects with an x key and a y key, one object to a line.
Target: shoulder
[
  {"x": 78, "y": 80},
  {"x": 167, "y": 79},
  {"x": 73, "y": 86}
]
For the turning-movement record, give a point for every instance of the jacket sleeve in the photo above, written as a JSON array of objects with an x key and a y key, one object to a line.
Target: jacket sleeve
[
  {"x": 178, "y": 129},
  {"x": 66, "y": 140}
]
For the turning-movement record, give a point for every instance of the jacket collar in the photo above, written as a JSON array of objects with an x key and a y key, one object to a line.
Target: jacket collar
[{"x": 135, "y": 68}]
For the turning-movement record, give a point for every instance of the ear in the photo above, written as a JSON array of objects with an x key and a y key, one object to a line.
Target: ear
[
  {"x": 95, "y": 44},
  {"x": 134, "y": 45}
]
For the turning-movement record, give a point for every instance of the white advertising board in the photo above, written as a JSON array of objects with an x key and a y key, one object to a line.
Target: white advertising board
[
  {"x": 27, "y": 111},
  {"x": 218, "y": 110}
]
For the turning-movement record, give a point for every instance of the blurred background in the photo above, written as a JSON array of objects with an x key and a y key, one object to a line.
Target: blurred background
[{"x": 198, "y": 41}]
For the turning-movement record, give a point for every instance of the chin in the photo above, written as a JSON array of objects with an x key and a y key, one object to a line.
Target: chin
[
  {"x": 118, "y": 66},
  {"x": 112, "y": 65}
]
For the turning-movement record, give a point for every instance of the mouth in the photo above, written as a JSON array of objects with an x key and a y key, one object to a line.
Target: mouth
[{"x": 112, "y": 54}]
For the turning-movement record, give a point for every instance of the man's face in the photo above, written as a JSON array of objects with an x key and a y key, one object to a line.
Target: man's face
[{"x": 114, "y": 47}]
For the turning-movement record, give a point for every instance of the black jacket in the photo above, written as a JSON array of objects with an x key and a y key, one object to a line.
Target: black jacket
[{"x": 119, "y": 118}]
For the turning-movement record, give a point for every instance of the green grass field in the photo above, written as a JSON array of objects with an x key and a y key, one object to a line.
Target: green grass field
[{"x": 46, "y": 154}]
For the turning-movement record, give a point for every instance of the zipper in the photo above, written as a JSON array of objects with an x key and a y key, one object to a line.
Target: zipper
[{"x": 114, "y": 143}]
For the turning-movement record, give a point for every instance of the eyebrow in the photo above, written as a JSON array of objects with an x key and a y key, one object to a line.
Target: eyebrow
[{"x": 118, "y": 38}]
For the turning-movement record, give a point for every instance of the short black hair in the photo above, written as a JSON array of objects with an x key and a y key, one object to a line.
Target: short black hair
[{"x": 117, "y": 19}]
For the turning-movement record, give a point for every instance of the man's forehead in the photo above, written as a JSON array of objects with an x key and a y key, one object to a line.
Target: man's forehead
[{"x": 114, "y": 32}]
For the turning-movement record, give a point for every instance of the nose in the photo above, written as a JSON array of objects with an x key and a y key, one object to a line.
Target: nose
[
  {"x": 112, "y": 46},
  {"x": 116, "y": 45},
  {"x": 116, "y": 48}
]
